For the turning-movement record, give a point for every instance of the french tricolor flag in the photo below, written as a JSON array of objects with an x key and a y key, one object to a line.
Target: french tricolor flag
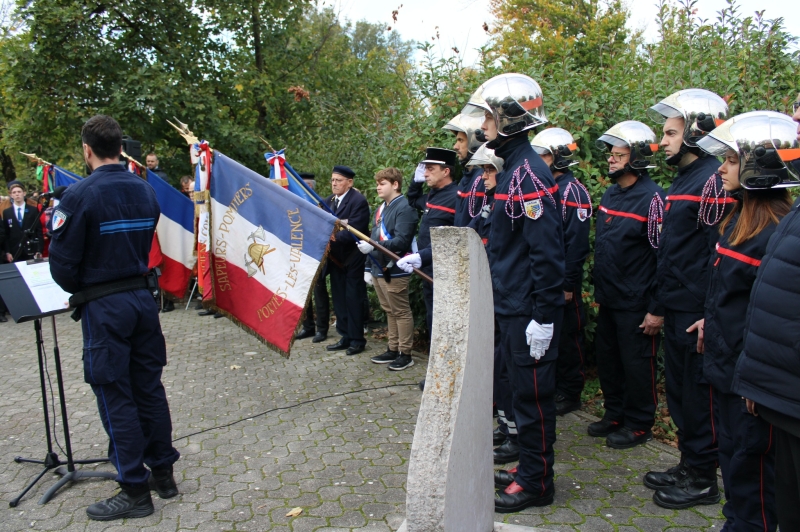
[
  {"x": 175, "y": 237},
  {"x": 267, "y": 246}
]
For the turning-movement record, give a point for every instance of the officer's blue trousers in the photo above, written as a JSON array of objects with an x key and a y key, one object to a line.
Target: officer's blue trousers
[
  {"x": 348, "y": 290},
  {"x": 533, "y": 386},
  {"x": 689, "y": 396},
  {"x": 570, "y": 376},
  {"x": 747, "y": 460},
  {"x": 502, "y": 389},
  {"x": 123, "y": 356}
]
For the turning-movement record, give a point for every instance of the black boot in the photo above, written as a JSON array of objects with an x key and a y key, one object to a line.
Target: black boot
[
  {"x": 508, "y": 452},
  {"x": 169, "y": 306},
  {"x": 503, "y": 478},
  {"x": 498, "y": 436},
  {"x": 656, "y": 480},
  {"x": 516, "y": 499},
  {"x": 565, "y": 406},
  {"x": 305, "y": 333},
  {"x": 693, "y": 487},
  {"x": 162, "y": 481},
  {"x": 626, "y": 438},
  {"x": 602, "y": 428},
  {"x": 129, "y": 502}
]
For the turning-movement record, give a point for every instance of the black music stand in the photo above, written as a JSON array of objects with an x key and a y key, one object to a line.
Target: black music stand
[{"x": 33, "y": 296}]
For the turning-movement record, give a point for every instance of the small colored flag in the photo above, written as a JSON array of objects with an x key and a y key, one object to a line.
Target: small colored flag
[{"x": 267, "y": 250}]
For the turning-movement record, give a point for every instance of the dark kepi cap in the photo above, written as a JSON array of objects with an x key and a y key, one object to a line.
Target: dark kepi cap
[
  {"x": 345, "y": 171},
  {"x": 15, "y": 183},
  {"x": 440, "y": 156}
]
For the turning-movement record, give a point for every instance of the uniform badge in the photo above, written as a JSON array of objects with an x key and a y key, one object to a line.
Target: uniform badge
[
  {"x": 583, "y": 214},
  {"x": 59, "y": 219},
  {"x": 533, "y": 209}
]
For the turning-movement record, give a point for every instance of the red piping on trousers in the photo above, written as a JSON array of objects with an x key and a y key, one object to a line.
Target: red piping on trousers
[
  {"x": 653, "y": 371},
  {"x": 761, "y": 485},
  {"x": 541, "y": 418},
  {"x": 577, "y": 342},
  {"x": 711, "y": 414}
]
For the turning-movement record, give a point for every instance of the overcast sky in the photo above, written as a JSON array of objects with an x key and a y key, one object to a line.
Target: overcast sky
[{"x": 460, "y": 21}]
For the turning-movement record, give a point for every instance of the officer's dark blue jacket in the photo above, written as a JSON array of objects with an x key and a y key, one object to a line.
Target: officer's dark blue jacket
[
  {"x": 438, "y": 208},
  {"x": 400, "y": 221},
  {"x": 575, "y": 208},
  {"x": 111, "y": 210},
  {"x": 526, "y": 255},
  {"x": 768, "y": 369},
  {"x": 471, "y": 176},
  {"x": 686, "y": 243},
  {"x": 733, "y": 272},
  {"x": 483, "y": 222},
  {"x": 624, "y": 259},
  {"x": 355, "y": 209}
]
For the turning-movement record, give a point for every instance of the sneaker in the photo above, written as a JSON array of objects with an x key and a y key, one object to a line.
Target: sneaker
[
  {"x": 385, "y": 358},
  {"x": 401, "y": 362}
]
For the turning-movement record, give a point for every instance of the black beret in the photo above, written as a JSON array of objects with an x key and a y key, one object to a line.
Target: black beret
[
  {"x": 345, "y": 171},
  {"x": 305, "y": 175},
  {"x": 440, "y": 156}
]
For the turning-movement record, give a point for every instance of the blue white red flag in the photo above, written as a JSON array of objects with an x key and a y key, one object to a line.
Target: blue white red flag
[
  {"x": 63, "y": 177},
  {"x": 267, "y": 247},
  {"x": 175, "y": 232}
]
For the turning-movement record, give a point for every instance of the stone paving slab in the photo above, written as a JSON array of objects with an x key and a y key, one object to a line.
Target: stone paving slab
[{"x": 342, "y": 459}]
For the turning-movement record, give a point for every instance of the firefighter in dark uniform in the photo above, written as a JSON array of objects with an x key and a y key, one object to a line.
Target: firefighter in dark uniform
[
  {"x": 102, "y": 232},
  {"x": 766, "y": 372},
  {"x": 746, "y": 452},
  {"x": 438, "y": 209},
  {"x": 526, "y": 259},
  {"x": 686, "y": 245},
  {"x": 471, "y": 190},
  {"x": 557, "y": 148},
  {"x": 626, "y": 238}
]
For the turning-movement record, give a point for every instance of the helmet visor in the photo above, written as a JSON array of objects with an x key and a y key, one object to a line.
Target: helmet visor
[
  {"x": 607, "y": 140},
  {"x": 541, "y": 150},
  {"x": 660, "y": 112},
  {"x": 715, "y": 147}
]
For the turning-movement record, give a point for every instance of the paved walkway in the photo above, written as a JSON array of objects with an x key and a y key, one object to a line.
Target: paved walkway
[{"x": 342, "y": 459}]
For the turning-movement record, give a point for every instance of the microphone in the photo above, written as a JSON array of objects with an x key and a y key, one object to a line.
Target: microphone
[{"x": 55, "y": 193}]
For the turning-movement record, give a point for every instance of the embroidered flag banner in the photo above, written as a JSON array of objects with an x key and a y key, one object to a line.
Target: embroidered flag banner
[
  {"x": 203, "y": 160},
  {"x": 175, "y": 232},
  {"x": 267, "y": 247}
]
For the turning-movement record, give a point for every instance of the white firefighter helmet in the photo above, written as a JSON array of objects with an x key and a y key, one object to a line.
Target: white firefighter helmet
[
  {"x": 765, "y": 141},
  {"x": 468, "y": 125},
  {"x": 558, "y": 143},
  {"x": 515, "y": 101},
  {"x": 700, "y": 109},
  {"x": 484, "y": 156},
  {"x": 636, "y": 136}
]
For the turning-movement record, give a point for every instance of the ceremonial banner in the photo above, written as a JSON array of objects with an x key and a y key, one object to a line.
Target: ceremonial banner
[
  {"x": 175, "y": 232},
  {"x": 267, "y": 247},
  {"x": 202, "y": 158}
]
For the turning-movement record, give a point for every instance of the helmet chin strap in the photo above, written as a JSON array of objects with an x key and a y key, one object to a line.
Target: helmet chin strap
[
  {"x": 627, "y": 169},
  {"x": 675, "y": 160}
]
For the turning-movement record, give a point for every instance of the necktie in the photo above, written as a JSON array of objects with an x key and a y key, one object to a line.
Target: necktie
[
  {"x": 19, "y": 215},
  {"x": 335, "y": 204}
]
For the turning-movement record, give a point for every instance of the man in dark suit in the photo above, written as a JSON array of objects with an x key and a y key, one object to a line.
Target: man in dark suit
[
  {"x": 21, "y": 225},
  {"x": 346, "y": 263}
]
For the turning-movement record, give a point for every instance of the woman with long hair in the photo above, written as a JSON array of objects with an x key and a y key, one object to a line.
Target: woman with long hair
[{"x": 753, "y": 173}]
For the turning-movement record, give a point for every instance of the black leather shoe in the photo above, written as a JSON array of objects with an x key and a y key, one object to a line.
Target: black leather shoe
[
  {"x": 565, "y": 406},
  {"x": 207, "y": 312},
  {"x": 503, "y": 478},
  {"x": 3, "y": 318},
  {"x": 693, "y": 487},
  {"x": 169, "y": 306},
  {"x": 162, "y": 481},
  {"x": 320, "y": 337},
  {"x": 498, "y": 436},
  {"x": 656, "y": 480},
  {"x": 125, "y": 504},
  {"x": 603, "y": 428},
  {"x": 421, "y": 385},
  {"x": 508, "y": 452},
  {"x": 218, "y": 315},
  {"x": 304, "y": 333},
  {"x": 626, "y": 438},
  {"x": 339, "y": 346},
  {"x": 515, "y": 499},
  {"x": 354, "y": 350}
]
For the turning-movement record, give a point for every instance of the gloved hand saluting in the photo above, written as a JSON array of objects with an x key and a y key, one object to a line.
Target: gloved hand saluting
[
  {"x": 365, "y": 247},
  {"x": 539, "y": 337},
  {"x": 409, "y": 262},
  {"x": 419, "y": 173}
]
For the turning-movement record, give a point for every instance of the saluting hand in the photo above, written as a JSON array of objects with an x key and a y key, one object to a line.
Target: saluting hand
[
  {"x": 652, "y": 324},
  {"x": 698, "y": 326}
]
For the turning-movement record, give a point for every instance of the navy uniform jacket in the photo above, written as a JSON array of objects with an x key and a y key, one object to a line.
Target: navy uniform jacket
[
  {"x": 400, "y": 221},
  {"x": 733, "y": 272},
  {"x": 482, "y": 224},
  {"x": 624, "y": 259},
  {"x": 438, "y": 208},
  {"x": 14, "y": 233},
  {"x": 526, "y": 255},
  {"x": 103, "y": 229},
  {"x": 686, "y": 243},
  {"x": 768, "y": 369},
  {"x": 575, "y": 207},
  {"x": 463, "y": 216},
  {"x": 355, "y": 209}
]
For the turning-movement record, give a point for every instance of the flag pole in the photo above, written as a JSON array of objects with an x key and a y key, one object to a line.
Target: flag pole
[{"x": 383, "y": 250}]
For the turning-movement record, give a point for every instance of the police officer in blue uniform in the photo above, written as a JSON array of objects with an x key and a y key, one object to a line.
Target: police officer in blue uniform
[
  {"x": 686, "y": 245},
  {"x": 766, "y": 373},
  {"x": 526, "y": 259},
  {"x": 102, "y": 232},
  {"x": 626, "y": 238},
  {"x": 471, "y": 190},
  {"x": 557, "y": 148}
]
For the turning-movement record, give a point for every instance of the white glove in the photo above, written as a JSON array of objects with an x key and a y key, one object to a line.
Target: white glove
[
  {"x": 365, "y": 247},
  {"x": 409, "y": 262},
  {"x": 539, "y": 337},
  {"x": 419, "y": 173},
  {"x": 368, "y": 278}
]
